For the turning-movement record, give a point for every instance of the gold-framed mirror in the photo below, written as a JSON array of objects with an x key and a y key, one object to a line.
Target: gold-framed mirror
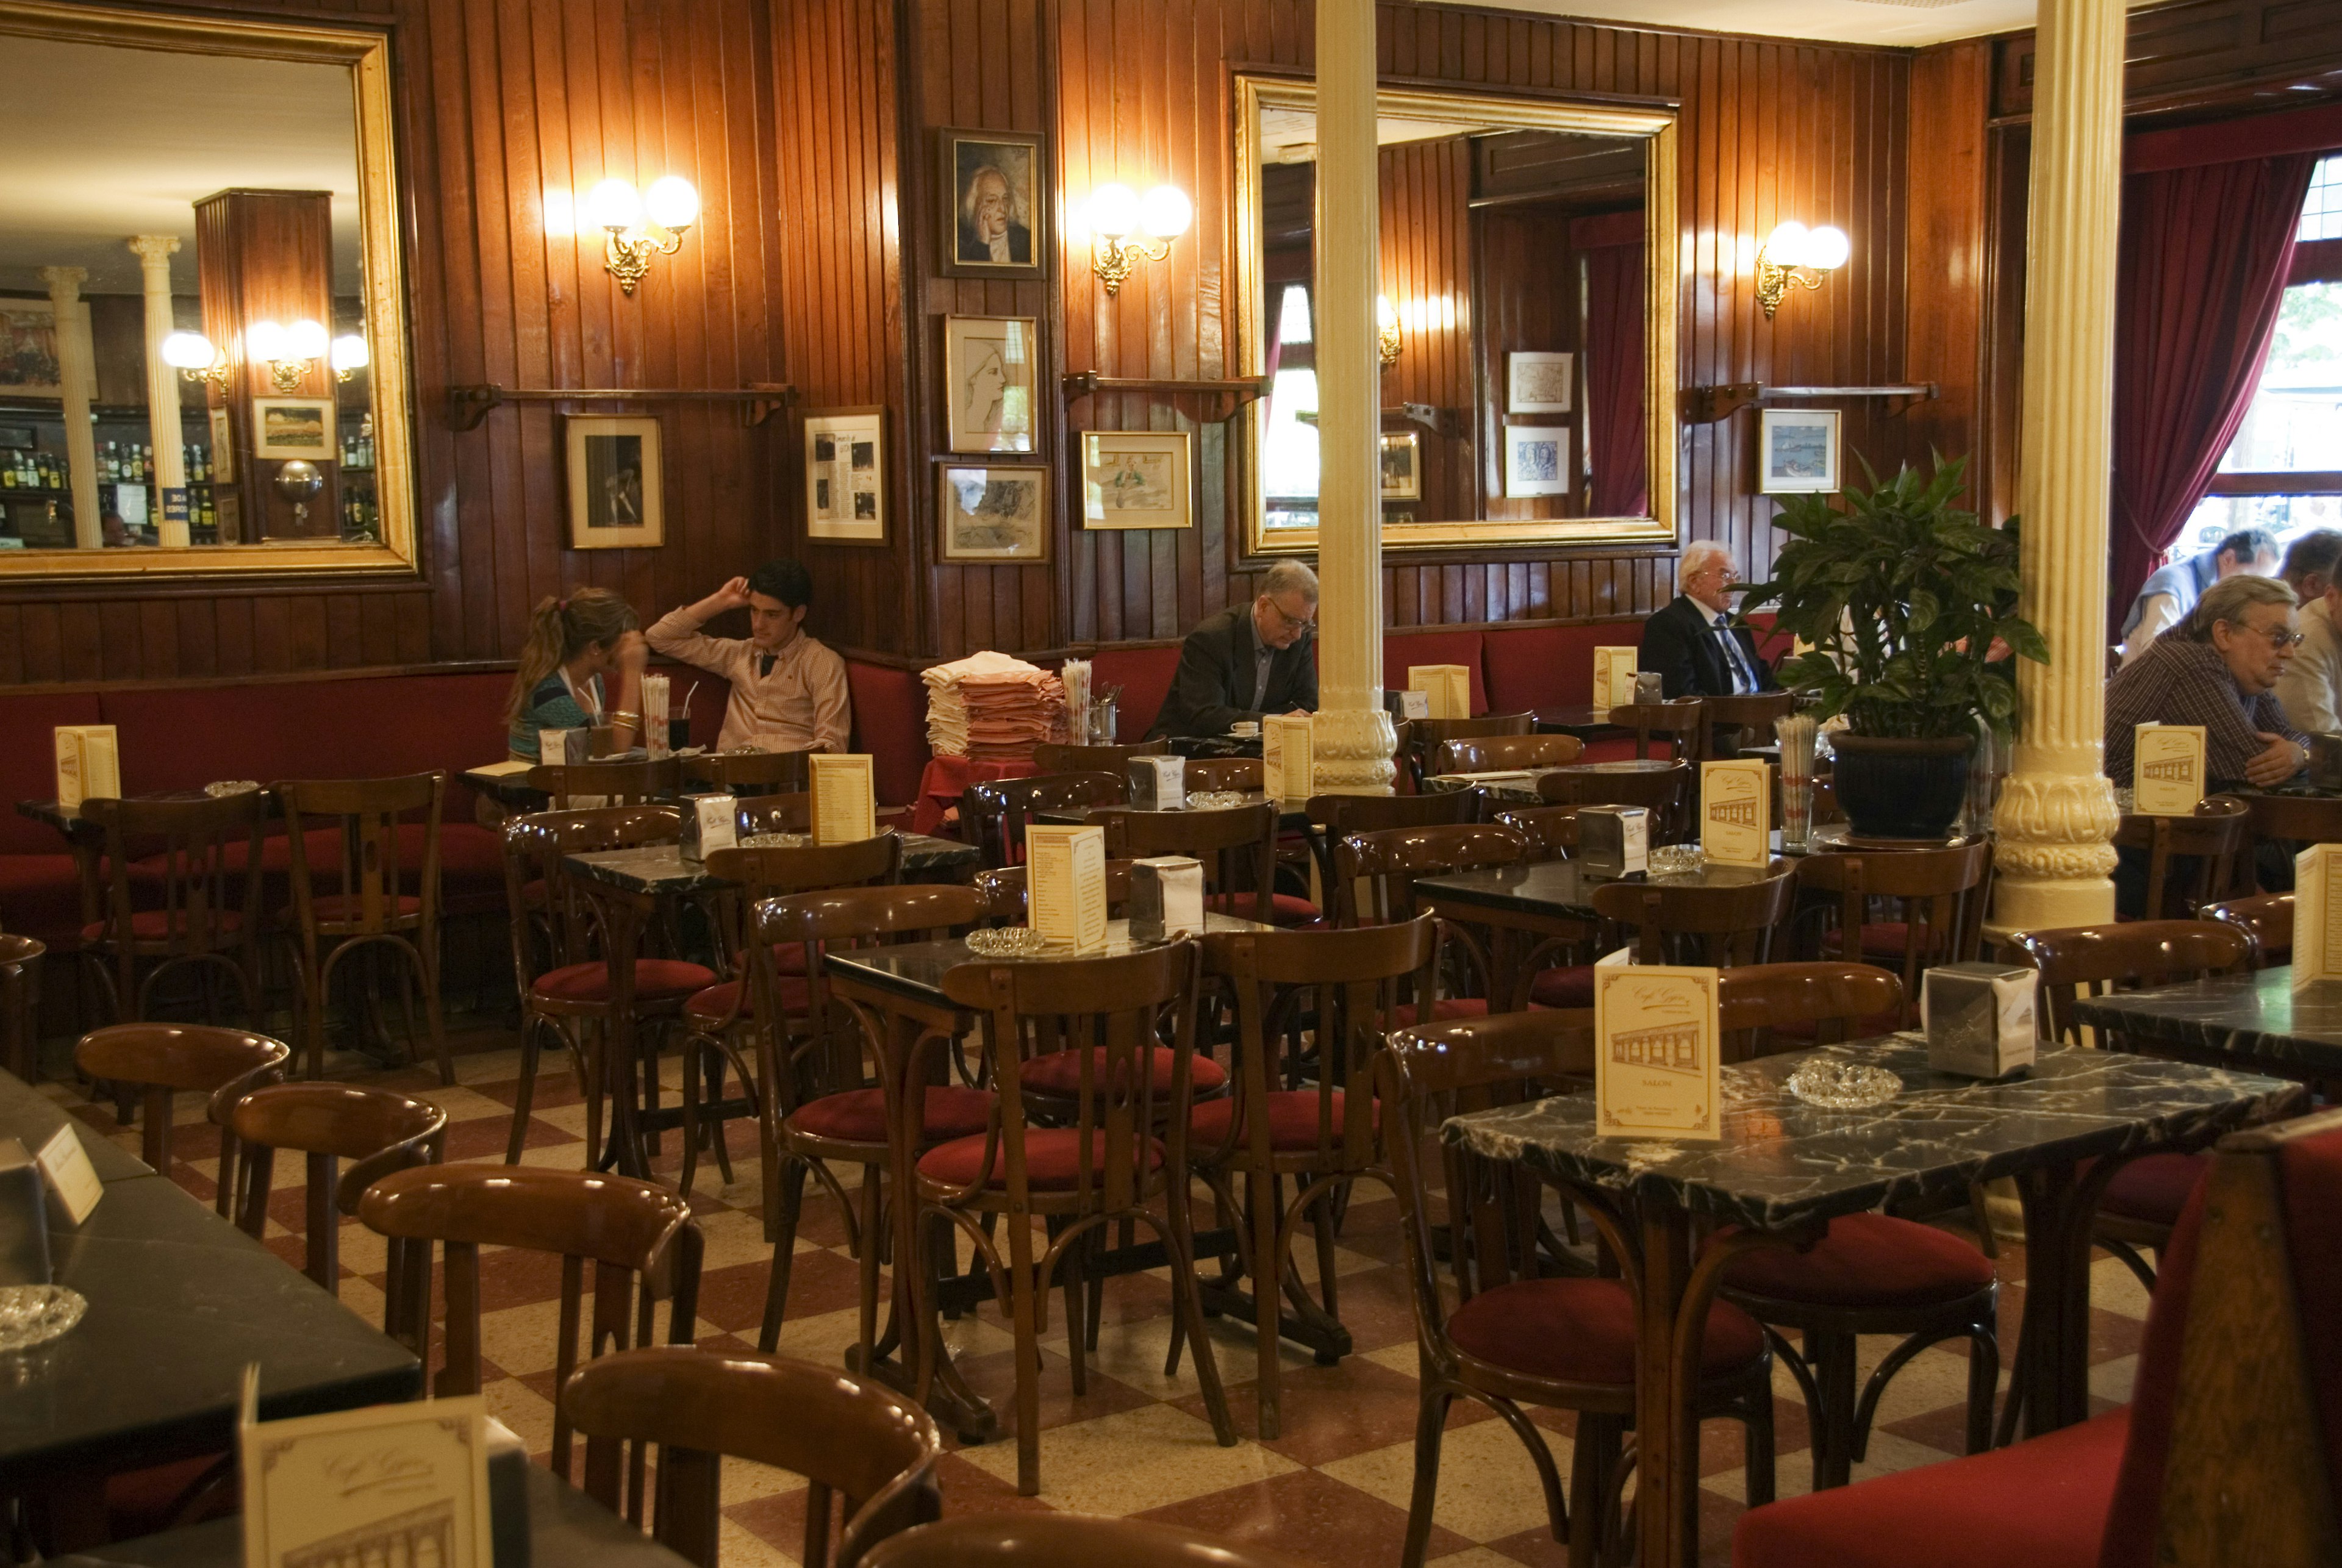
[
  {"x": 199, "y": 261},
  {"x": 1529, "y": 290}
]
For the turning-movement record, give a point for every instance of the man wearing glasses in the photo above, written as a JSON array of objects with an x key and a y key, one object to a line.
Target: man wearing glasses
[
  {"x": 1692, "y": 642},
  {"x": 1247, "y": 661}
]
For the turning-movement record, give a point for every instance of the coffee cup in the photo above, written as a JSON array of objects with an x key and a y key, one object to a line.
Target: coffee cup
[{"x": 1244, "y": 727}]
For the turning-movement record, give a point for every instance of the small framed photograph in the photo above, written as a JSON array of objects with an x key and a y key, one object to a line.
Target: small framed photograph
[
  {"x": 222, "y": 453},
  {"x": 1537, "y": 383},
  {"x": 996, "y": 185},
  {"x": 1402, "y": 466},
  {"x": 990, "y": 366},
  {"x": 293, "y": 427},
  {"x": 1536, "y": 461},
  {"x": 31, "y": 363},
  {"x": 1797, "y": 450},
  {"x": 994, "y": 513},
  {"x": 615, "y": 492},
  {"x": 846, "y": 474},
  {"x": 1136, "y": 479}
]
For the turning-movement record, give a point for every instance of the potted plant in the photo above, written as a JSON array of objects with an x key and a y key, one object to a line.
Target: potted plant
[{"x": 1907, "y": 606}]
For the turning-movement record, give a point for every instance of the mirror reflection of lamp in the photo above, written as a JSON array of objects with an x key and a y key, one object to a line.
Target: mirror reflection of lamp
[
  {"x": 671, "y": 207},
  {"x": 1117, "y": 212},
  {"x": 1796, "y": 256},
  {"x": 349, "y": 355},
  {"x": 289, "y": 351},
  {"x": 1387, "y": 339},
  {"x": 191, "y": 354}
]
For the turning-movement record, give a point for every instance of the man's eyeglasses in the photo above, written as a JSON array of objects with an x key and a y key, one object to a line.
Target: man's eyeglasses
[
  {"x": 2279, "y": 637},
  {"x": 1290, "y": 623}
]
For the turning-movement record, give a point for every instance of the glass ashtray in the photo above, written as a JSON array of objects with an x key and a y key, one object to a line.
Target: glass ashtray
[
  {"x": 1007, "y": 941},
  {"x": 1217, "y": 800},
  {"x": 2125, "y": 799},
  {"x": 1675, "y": 859},
  {"x": 775, "y": 840},
  {"x": 1835, "y": 1085},
  {"x": 34, "y": 1315},
  {"x": 230, "y": 786}
]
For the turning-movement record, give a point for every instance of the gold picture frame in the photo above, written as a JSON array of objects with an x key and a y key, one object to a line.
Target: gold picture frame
[
  {"x": 991, "y": 377},
  {"x": 1402, "y": 461},
  {"x": 223, "y": 452},
  {"x": 616, "y": 481},
  {"x": 295, "y": 427},
  {"x": 1137, "y": 479},
  {"x": 993, "y": 513},
  {"x": 846, "y": 476}
]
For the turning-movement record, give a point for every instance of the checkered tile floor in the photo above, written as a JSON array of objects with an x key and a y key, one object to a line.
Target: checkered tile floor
[{"x": 1333, "y": 1489}]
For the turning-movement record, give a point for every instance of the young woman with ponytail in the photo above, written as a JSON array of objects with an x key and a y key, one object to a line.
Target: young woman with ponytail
[{"x": 582, "y": 665}]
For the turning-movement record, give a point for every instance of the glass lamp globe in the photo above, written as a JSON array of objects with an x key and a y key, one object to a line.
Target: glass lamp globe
[
  {"x": 188, "y": 351},
  {"x": 1114, "y": 211},
  {"x": 1785, "y": 246},
  {"x": 671, "y": 203},
  {"x": 349, "y": 352},
  {"x": 266, "y": 340},
  {"x": 1827, "y": 248},
  {"x": 1166, "y": 212},
  {"x": 615, "y": 205},
  {"x": 307, "y": 339}
]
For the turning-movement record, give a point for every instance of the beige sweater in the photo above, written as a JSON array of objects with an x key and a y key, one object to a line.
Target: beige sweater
[{"x": 2311, "y": 686}]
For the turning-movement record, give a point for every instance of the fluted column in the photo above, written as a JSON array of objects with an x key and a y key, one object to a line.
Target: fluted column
[
  {"x": 1354, "y": 736},
  {"x": 76, "y": 365},
  {"x": 154, "y": 252},
  {"x": 2057, "y": 813}
]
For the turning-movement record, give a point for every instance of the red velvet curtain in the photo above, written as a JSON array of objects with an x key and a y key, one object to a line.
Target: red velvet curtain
[
  {"x": 1612, "y": 427},
  {"x": 2205, "y": 254}
]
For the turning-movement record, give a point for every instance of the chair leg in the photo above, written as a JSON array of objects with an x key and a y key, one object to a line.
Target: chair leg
[
  {"x": 1267, "y": 1268},
  {"x": 1983, "y": 1382},
  {"x": 312, "y": 976},
  {"x": 531, "y": 1045},
  {"x": 1180, "y": 1235},
  {"x": 1590, "y": 1462},
  {"x": 1024, "y": 1320},
  {"x": 427, "y": 957},
  {"x": 1758, "y": 1463},
  {"x": 1430, "y": 1427},
  {"x": 717, "y": 1145},
  {"x": 692, "y": 1129},
  {"x": 1831, "y": 1356},
  {"x": 784, "y": 1242},
  {"x": 873, "y": 1239},
  {"x": 1073, "y": 1277}
]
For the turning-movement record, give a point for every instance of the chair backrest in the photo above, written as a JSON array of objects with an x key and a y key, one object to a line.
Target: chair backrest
[
  {"x": 167, "y": 1059},
  {"x": 1939, "y": 894},
  {"x": 2214, "y": 838},
  {"x": 1824, "y": 1002},
  {"x": 1053, "y": 757},
  {"x": 2129, "y": 955},
  {"x": 1662, "y": 792},
  {"x": 1729, "y": 925},
  {"x": 1237, "y": 774},
  {"x": 559, "y": 929},
  {"x": 2265, "y": 917},
  {"x": 635, "y": 781},
  {"x": 202, "y": 891},
  {"x": 1551, "y": 829},
  {"x": 1339, "y": 815},
  {"x": 2294, "y": 819},
  {"x": 1390, "y": 860},
  {"x": 20, "y": 1005},
  {"x": 1004, "y": 892},
  {"x": 329, "y": 1123},
  {"x": 1495, "y": 753},
  {"x": 640, "y": 1238},
  {"x": 785, "y": 813},
  {"x": 860, "y": 1441},
  {"x": 750, "y": 875},
  {"x": 363, "y": 899},
  {"x": 998, "y": 811},
  {"x": 1678, "y": 723},
  {"x": 1752, "y": 711},
  {"x": 750, "y": 773},
  {"x": 1069, "y": 1540},
  {"x": 1424, "y": 737},
  {"x": 1236, "y": 844}
]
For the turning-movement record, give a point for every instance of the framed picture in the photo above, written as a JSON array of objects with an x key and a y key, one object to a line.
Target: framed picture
[
  {"x": 1402, "y": 466},
  {"x": 996, "y": 185},
  {"x": 990, "y": 365},
  {"x": 1797, "y": 450},
  {"x": 293, "y": 427},
  {"x": 1537, "y": 383},
  {"x": 1536, "y": 461},
  {"x": 30, "y": 363},
  {"x": 614, "y": 494},
  {"x": 846, "y": 476},
  {"x": 1136, "y": 479},
  {"x": 994, "y": 513},
  {"x": 223, "y": 446}
]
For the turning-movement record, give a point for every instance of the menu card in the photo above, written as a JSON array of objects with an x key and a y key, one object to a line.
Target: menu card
[
  {"x": 1735, "y": 813},
  {"x": 1614, "y": 676},
  {"x": 1656, "y": 1068},
  {"x": 386, "y": 1483},
  {"x": 2166, "y": 769},
  {"x": 1065, "y": 884},
  {"x": 1287, "y": 757},
  {"x": 73, "y": 1185},
  {"x": 88, "y": 767},
  {"x": 1446, "y": 688},
  {"x": 844, "y": 806},
  {"x": 2318, "y": 914}
]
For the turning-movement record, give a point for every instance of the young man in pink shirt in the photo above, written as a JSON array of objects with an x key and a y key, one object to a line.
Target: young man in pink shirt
[{"x": 789, "y": 691}]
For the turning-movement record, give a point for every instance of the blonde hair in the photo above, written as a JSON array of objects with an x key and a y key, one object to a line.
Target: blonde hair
[{"x": 559, "y": 629}]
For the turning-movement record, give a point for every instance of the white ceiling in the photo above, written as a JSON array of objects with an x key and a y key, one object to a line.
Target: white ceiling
[
  {"x": 104, "y": 143},
  {"x": 1905, "y": 23}
]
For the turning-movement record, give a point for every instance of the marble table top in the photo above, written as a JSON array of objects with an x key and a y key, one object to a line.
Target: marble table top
[
  {"x": 660, "y": 868},
  {"x": 916, "y": 969},
  {"x": 1781, "y": 1161},
  {"x": 1565, "y": 887},
  {"x": 1520, "y": 786},
  {"x": 2253, "y": 1018},
  {"x": 1293, "y": 818}
]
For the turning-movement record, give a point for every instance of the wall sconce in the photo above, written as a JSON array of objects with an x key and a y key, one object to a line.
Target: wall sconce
[
  {"x": 287, "y": 351},
  {"x": 349, "y": 355},
  {"x": 671, "y": 205},
  {"x": 1387, "y": 340},
  {"x": 1796, "y": 254},
  {"x": 1117, "y": 212},
  {"x": 194, "y": 358}
]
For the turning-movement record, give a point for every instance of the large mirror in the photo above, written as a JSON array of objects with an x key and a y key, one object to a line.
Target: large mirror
[
  {"x": 203, "y": 356},
  {"x": 1527, "y": 313}
]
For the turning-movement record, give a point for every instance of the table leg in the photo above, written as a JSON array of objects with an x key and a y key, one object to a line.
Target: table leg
[
  {"x": 621, "y": 929},
  {"x": 2052, "y": 1375},
  {"x": 1667, "y": 1485}
]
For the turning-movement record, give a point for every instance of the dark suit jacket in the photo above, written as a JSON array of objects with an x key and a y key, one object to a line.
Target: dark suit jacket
[
  {"x": 972, "y": 247},
  {"x": 1679, "y": 642},
  {"x": 1214, "y": 687}
]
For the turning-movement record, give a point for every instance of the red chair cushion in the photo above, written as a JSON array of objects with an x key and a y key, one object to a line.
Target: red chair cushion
[
  {"x": 1285, "y": 909},
  {"x": 322, "y": 844},
  {"x": 890, "y": 722},
  {"x": 40, "y": 895},
  {"x": 1052, "y": 1159},
  {"x": 712, "y": 1006},
  {"x": 859, "y": 1116},
  {"x": 1865, "y": 1260},
  {"x": 159, "y": 924},
  {"x": 1571, "y": 985},
  {"x": 470, "y": 855},
  {"x": 1059, "y": 1072},
  {"x": 1292, "y": 1121},
  {"x": 1444, "y": 1008},
  {"x": 2154, "y": 1187},
  {"x": 656, "y": 979},
  {"x": 1583, "y": 1330}
]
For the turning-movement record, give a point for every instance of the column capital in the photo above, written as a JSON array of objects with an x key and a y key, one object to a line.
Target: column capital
[
  {"x": 64, "y": 281},
  {"x": 153, "y": 250}
]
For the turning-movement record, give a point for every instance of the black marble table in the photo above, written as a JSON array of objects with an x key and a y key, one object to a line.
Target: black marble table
[
  {"x": 510, "y": 790},
  {"x": 1294, "y": 816},
  {"x": 660, "y": 871},
  {"x": 2255, "y": 1020},
  {"x": 1582, "y": 720},
  {"x": 33, "y": 1119},
  {"x": 1518, "y": 786}
]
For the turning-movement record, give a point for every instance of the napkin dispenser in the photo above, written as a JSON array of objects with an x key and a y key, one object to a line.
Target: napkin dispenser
[
  {"x": 1406, "y": 706},
  {"x": 508, "y": 1496},
  {"x": 1614, "y": 840},
  {"x": 1167, "y": 896},
  {"x": 1650, "y": 686},
  {"x": 710, "y": 822},
  {"x": 23, "y": 1218},
  {"x": 1158, "y": 783},
  {"x": 1978, "y": 1018},
  {"x": 562, "y": 748},
  {"x": 2325, "y": 761}
]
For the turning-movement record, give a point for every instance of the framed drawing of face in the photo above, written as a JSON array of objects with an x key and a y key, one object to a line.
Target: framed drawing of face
[
  {"x": 1797, "y": 450},
  {"x": 994, "y": 513},
  {"x": 1537, "y": 460},
  {"x": 293, "y": 427},
  {"x": 846, "y": 476},
  {"x": 616, "y": 501},
  {"x": 997, "y": 187},
  {"x": 1136, "y": 479},
  {"x": 990, "y": 363},
  {"x": 1402, "y": 466}
]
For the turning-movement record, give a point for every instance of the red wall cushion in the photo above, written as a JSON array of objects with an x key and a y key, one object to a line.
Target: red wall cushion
[
  {"x": 1144, "y": 676},
  {"x": 40, "y": 894},
  {"x": 1771, "y": 646},
  {"x": 28, "y": 765},
  {"x": 890, "y": 722},
  {"x": 1401, "y": 649},
  {"x": 1532, "y": 668}
]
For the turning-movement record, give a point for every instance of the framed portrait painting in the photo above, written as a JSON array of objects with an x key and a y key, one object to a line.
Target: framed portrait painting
[
  {"x": 615, "y": 500},
  {"x": 996, "y": 188},
  {"x": 294, "y": 427},
  {"x": 846, "y": 476},
  {"x": 1797, "y": 450},
  {"x": 1402, "y": 464},
  {"x": 1536, "y": 461},
  {"x": 1136, "y": 479},
  {"x": 1537, "y": 383},
  {"x": 991, "y": 363},
  {"x": 993, "y": 513}
]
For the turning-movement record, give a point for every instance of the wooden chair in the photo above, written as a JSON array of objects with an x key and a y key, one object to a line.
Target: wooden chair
[
  {"x": 635, "y": 781},
  {"x": 1050, "y": 758},
  {"x": 1238, "y": 847},
  {"x": 2265, "y": 917},
  {"x": 2213, "y": 841},
  {"x": 1239, "y": 773},
  {"x": 1106, "y": 1168},
  {"x": 857, "y": 1442},
  {"x": 2289, "y": 822},
  {"x": 1425, "y": 737},
  {"x": 640, "y": 1239},
  {"x": 1069, "y": 1540},
  {"x": 1868, "y": 1273},
  {"x": 790, "y": 812},
  {"x": 1004, "y": 891},
  {"x": 1508, "y": 1342},
  {"x": 1307, "y": 1117},
  {"x": 368, "y": 909},
  {"x": 1497, "y": 753},
  {"x": 379, "y": 1131},
  {"x": 1383, "y": 867},
  {"x": 20, "y": 1007},
  {"x": 749, "y": 773},
  {"x": 1940, "y": 897},
  {"x": 191, "y": 901},
  {"x": 1677, "y": 923},
  {"x": 1679, "y": 724},
  {"x": 1551, "y": 829},
  {"x": 1665, "y": 793},
  {"x": 1333, "y": 817},
  {"x": 996, "y": 813},
  {"x": 1751, "y": 711},
  {"x": 167, "y": 1059}
]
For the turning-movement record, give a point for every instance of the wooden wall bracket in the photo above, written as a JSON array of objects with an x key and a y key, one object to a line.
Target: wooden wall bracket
[
  {"x": 1080, "y": 383},
  {"x": 1707, "y": 405},
  {"x": 468, "y": 405}
]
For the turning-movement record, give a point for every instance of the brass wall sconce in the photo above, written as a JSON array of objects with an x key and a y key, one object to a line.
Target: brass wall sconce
[
  {"x": 194, "y": 358},
  {"x": 1796, "y": 256},
  {"x": 670, "y": 206},
  {"x": 287, "y": 351},
  {"x": 1387, "y": 338},
  {"x": 349, "y": 355},
  {"x": 1116, "y": 213}
]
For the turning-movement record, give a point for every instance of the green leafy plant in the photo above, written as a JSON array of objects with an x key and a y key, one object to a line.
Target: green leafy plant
[{"x": 1900, "y": 596}]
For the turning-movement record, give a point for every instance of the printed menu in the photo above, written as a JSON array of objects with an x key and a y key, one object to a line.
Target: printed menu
[
  {"x": 2166, "y": 769},
  {"x": 88, "y": 767},
  {"x": 845, "y": 807},
  {"x": 1064, "y": 881},
  {"x": 2318, "y": 914},
  {"x": 1614, "y": 676},
  {"x": 1287, "y": 757},
  {"x": 1735, "y": 813},
  {"x": 1656, "y": 1073},
  {"x": 1446, "y": 689},
  {"x": 386, "y": 1483}
]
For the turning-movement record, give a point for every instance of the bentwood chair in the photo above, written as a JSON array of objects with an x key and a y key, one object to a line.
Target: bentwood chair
[
  {"x": 380, "y": 1132},
  {"x": 1680, "y": 923},
  {"x": 2191, "y": 860},
  {"x": 2265, "y": 917},
  {"x": 1551, "y": 829},
  {"x": 1425, "y": 737},
  {"x": 1004, "y": 893},
  {"x": 1512, "y": 1342},
  {"x": 870, "y": 1454},
  {"x": 1069, "y": 1540},
  {"x": 749, "y": 773},
  {"x": 1665, "y": 793},
  {"x": 1937, "y": 898},
  {"x": 639, "y": 782},
  {"x": 1679, "y": 725},
  {"x": 189, "y": 904},
  {"x": 2285, "y": 824},
  {"x": 1498, "y": 754},
  {"x": 168, "y": 1059},
  {"x": 1333, "y": 817},
  {"x": 996, "y": 813},
  {"x": 20, "y": 1005},
  {"x": 1050, "y": 758},
  {"x": 1236, "y": 844},
  {"x": 1206, "y": 774},
  {"x": 1376, "y": 872}
]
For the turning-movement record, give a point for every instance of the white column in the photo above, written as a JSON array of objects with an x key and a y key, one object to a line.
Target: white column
[
  {"x": 1354, "y": 736},
  {"x": 155, "y": 253},
  {"x": 75, "y": 364},
  {"x": 2057, "y": 813}
]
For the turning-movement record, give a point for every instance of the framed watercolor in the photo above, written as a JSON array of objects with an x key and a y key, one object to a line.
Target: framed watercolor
[
  {"x": 1402, "y": 462},
  {"x": 993, "y": 513},
  {"x": 222, "y": 453},
  {"x": 993, "y": 189},
  {"x": 990, "y": 366},
  {"x": 1537, "y": 383},
  {"x": 1137, "y": 479},
  {"x": 1797, "y": 450},
  {"x": 32, "y": 362},
  {"x": 615, "y": 498},
  {"x": 846, "y": 474},
  {"x": 1536, "y": 461},
  {"x": 293, "y": 427}
]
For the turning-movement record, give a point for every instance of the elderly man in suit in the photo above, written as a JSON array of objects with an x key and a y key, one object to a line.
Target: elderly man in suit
[
  {"x": 1247, "y": 661},
  {"x": 1692, "y": 642}
]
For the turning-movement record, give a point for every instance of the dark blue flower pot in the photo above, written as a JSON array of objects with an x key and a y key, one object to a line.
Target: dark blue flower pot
[{"x": 1893, "y": 788}]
